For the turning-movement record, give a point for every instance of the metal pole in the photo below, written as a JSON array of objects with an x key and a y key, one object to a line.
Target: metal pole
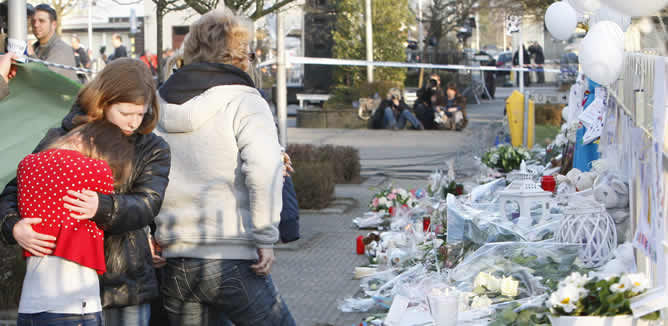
[
  {"x": 420, "y": 35},
  {"x": 281, "y": 88},
  {"x": 477, "y": 30},
  {"x": 369, "y": 42},
  {"x": 521, "y": 59},
  {"x": 90, "y": 25},
  {"x": 18, "y": 26},
  {"x": 525, "y": 125}
]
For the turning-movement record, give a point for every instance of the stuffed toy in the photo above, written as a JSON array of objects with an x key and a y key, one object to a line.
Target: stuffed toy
[{"x": 611, "y": 191}]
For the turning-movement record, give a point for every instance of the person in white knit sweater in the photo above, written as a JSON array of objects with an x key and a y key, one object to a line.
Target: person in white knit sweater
[{"x": 218, "y": 222}]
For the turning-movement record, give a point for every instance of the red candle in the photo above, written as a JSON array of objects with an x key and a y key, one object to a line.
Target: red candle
[
  {"x": 360, "y": 245},
  {"x": 426, "y": 221},
  {"x": 548, "y": 183}
]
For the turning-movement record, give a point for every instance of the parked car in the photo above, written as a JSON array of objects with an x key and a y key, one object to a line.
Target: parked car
[{"x": 504, "y": 60}]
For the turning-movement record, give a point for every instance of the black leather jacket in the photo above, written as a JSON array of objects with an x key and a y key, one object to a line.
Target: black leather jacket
[{"x": 130, "y": 278}]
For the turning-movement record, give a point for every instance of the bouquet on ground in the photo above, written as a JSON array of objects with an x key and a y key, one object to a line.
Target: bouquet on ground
[
  {"x": 490, "y": 288},
  {"x": 505, "y": 157},
  {"x": 581, "y": 295},
  {"x": 390, "y": 199}
]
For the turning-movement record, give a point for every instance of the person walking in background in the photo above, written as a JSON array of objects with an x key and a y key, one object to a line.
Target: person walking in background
[
  {"x": 219, "y": 223},
  {"x": 49, "y": 47},
  {"x": 119, "y": 49},
  {"x": 536, "y": 52},
  {"x": 81, "y": 58},
  {"x": 123, "y": 93},
  {"x": 527, "y": 61},
  {"x": 50, "y": 294}
]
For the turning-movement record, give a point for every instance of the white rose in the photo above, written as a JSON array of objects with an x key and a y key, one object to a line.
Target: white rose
[
  {"x": 481, "y": 302},
  {"x": 566, "y": 298},
  {"x": 509, "y": 287},
  {"x": 494, "y": 284},
  {"x": 481, "y": 280},
  {"x": 639, "y": 282},
  {"x": 383, "y": 202}
]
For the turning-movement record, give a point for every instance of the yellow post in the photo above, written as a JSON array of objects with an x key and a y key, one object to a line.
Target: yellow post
[{"x": 515, "y": 115}]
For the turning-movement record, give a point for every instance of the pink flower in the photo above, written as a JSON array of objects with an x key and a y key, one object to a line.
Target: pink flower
[
  {"x": 395, "y": 190},
  {"x": 375, "y": 202},
  {"x": 392, "y": 196}
]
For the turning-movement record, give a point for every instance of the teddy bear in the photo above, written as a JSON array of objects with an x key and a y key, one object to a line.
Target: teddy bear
[{"x": 611, "y": 191}]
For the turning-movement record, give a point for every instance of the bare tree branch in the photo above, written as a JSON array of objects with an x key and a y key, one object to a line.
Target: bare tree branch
[{"x": 260, "y": 12}]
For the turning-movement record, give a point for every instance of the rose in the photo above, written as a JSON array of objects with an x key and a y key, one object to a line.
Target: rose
[
  {"x": 481, "y": 302},
  {"x": 392, "y": 196},
  {"x": 509, "y": 287},
  {"x": 374, "y": 203}
]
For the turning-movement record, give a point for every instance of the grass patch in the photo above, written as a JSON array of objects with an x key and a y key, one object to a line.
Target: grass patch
[{"x": 545, "y": 134}]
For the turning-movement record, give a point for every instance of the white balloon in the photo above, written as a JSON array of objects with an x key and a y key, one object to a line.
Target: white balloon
[
  {"x": 561, "y": 20},
  {"x": 637, "y": 8},
  {"x": 585, "y": 6},
  {"x": 602, "y": 53},
  {"x": 607, "y": 13}
]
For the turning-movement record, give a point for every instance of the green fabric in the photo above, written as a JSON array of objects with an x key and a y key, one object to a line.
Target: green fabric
[{"x": 38, "y": 100}]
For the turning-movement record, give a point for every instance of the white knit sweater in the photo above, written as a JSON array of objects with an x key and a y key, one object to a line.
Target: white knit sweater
[{"x": 224, "y": 196}]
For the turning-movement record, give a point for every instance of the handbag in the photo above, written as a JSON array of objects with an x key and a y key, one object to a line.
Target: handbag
[{"x": 288, "y": 229}]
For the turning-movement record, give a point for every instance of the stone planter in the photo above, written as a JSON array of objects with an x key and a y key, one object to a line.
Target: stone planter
[
  {"x": 623, "y": 320},
  {"x": 333, "y": 118}
]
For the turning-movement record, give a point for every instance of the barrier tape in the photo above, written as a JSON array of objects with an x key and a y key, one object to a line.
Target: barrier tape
[
  {"x": 57, "y": 65},
  {"x": 347, "y": 62}
]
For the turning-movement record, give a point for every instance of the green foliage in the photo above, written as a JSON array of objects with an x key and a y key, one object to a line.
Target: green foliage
[
  {"x": 505, "y": 157},
  {"x": 389, "y": 20},
  {"x": 511, "y": 316}
]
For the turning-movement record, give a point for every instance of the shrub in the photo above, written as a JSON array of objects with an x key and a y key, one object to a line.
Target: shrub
[
  {"x": 318, "y": 169},
  {"x": 314, "y": 183}
]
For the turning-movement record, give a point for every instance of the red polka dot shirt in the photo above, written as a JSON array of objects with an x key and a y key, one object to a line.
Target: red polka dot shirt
[{"x": 43, "y": 180}]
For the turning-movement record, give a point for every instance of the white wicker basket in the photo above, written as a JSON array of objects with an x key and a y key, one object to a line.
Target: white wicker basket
[{"x": 588, "y": 223}]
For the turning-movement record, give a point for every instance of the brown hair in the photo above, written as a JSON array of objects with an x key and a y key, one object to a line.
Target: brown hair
[
  {"x": 102, "y": 140},
  {"x": 452, "y": 86},
  {"x": 123, "y": 80},
  {"x": 217, "y": 37}
]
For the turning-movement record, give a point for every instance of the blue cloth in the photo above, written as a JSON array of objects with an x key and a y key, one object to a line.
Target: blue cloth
[
  {"x": 54, "y": 319},
  {"x": 208, "y": 291},
  {"x": 585, "y": 154},
  {"x": 137, "y": 315},
  {"x": 289, "y": 226}
]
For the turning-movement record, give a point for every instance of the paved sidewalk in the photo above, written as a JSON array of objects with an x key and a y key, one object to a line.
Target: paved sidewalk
[{"x": 315, "y": 274}]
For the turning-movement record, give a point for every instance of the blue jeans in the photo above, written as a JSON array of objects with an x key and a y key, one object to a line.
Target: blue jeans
[
  {"x": 138, "y": 315},
  {"x": 54, "y": 319},
  {"x": 400, "y": 123},
  {"x": 201, "y": 291}
]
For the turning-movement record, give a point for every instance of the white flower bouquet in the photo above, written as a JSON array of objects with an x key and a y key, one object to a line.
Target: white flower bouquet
[
  {"x": 581, "y": 295},
  {"x": 387, "y": 200},
  {"x": 505, "y": 157}
]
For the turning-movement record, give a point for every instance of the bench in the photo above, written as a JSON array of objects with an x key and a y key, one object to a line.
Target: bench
[{"x": 311, "y": 98}]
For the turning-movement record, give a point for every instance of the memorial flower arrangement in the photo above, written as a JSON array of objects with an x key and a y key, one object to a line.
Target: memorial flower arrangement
[
  {"x": 581, "y": 295},
  {"x": 505, "y": 157},
  {"x": 389, "y": 199}
]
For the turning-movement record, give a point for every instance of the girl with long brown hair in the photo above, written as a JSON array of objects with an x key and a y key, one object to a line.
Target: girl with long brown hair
[
  {"x": 123, "y": 93},
  {"x": 95, "y": 156}
]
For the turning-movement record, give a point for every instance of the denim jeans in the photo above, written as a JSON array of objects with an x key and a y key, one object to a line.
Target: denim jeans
[
  {"x": 400, "y": 123},
  {"x": 54, "y": 319},
  {"x": 201, "y": 291},
  {"x": 138, "y": 315}
]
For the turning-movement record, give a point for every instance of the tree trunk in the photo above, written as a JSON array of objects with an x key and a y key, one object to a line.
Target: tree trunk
[{"x": 158, "y": 16}]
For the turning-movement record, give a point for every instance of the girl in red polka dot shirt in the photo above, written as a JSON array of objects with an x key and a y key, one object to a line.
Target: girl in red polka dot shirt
[{"x": 90, "y": 159}]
